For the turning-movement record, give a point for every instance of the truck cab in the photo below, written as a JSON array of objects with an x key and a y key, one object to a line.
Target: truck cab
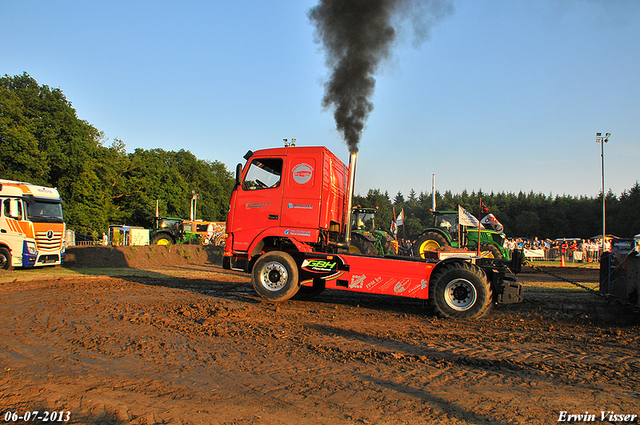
[
  {"x": 32, "y": 226},
  {"x": 290, "y": 195}
]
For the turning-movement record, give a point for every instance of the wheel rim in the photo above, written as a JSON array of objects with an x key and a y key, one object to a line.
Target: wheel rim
[
  {"x": 274, "y": 276},
  {"x": 429, "y": 245},
  {"x": 4, "y": 261},
  {"x": 488, "y": 254},
  {"x": 354, "y": 250},
  {"x": 460, "y": 294},
  {"x": 163, "y": 242}
]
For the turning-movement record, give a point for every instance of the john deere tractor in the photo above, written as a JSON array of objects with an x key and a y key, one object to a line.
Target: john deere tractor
[
  {"x": 446, "y": 233},
  {"x": 365, "y": 238}
]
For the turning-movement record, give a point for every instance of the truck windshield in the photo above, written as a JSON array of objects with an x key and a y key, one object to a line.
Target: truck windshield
[
  {"x": 48, "y": 212},
  {"x": 363, "y": 221}
]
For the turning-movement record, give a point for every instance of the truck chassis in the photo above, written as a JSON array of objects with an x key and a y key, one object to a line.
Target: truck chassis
[{"x": 458, "y": 286}]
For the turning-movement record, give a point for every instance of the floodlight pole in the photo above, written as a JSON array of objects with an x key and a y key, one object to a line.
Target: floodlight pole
[{"x": 602, "y": 140}]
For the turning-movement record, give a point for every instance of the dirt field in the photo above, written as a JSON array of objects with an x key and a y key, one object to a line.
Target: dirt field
[{"x": 157, "y": 335}]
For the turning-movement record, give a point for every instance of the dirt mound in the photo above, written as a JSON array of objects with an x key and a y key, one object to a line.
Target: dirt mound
[{"x": 141, "y": 257}]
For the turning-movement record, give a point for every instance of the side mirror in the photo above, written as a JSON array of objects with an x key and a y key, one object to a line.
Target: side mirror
[{"x": 238, "y": 174}]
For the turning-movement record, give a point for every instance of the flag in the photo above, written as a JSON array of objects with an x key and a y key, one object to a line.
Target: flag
[
  {"x": 394, "y": 229},
  {"x": 489, "y": 220},
  {"x": 465, "y": 218},
  {"x": 400, "y": 219}
]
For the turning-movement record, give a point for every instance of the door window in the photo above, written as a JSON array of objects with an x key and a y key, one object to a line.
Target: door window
[{"x": 264, "y": 173}]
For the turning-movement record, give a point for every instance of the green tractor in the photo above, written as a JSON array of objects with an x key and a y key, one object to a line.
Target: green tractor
[
  {"x": 446, "y": 232},
  {"x": 365, "y": 238}
]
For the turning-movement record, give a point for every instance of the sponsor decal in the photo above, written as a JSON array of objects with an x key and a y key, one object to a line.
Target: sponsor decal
[
  {"x": 302, "y": 173},
  {"x": 422, "y": 285},
  {"x": 373, "y": 282},
  {"x": 356, "y": 281},
  {"x": 250, "y": 205},
  {"x": 300, "y": 206},
  {"x": 401, "y": 286},
  {"x": 387, "y": 285},
  {"x": 319, "y": 265},
  {"x": 290, "y": 232}
]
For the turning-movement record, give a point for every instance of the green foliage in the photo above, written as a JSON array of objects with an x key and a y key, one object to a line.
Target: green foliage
[{"x": 44, "y": 142}]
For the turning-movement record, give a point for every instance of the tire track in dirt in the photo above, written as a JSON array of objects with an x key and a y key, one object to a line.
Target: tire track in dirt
[{"x": 143, "y": 350}]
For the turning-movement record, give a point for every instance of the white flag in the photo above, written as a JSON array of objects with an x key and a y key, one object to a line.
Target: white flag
[
  {"x": 400, "y": 219},
  {"x": 465, "y": 218}
]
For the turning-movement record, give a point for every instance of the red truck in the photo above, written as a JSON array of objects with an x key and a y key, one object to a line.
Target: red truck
[{"x": 288, "y": 225}]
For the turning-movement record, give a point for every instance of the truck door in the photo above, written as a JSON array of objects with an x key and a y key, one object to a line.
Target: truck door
[
  {"x": 302, "y": 190},
  {"x": 258, "y": 200}
]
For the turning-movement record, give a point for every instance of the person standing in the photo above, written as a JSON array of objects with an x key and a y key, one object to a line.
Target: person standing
[{"x": 564, "y": 246}]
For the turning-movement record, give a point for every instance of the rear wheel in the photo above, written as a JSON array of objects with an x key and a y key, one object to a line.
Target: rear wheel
[
  {"x": 275, "y": 276},
  {"x": 460, "y": 291},
  {"x": 490, "y": 251},
  {"x": 429, "y": 241},
  {"x": 162, "y": 240},
  {"x": 5, "y": 259},
  {"x": 361, "y": 245}
]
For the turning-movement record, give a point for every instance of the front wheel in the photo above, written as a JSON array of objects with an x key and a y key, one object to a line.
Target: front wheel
[
  {"x": 461, "y": 291},
  {"x": 5, "y": 259},
  {"x": 275, "y": 276}
]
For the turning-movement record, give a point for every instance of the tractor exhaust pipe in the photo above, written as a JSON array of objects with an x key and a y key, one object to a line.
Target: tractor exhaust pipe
[{"x": 352, "y": 180}]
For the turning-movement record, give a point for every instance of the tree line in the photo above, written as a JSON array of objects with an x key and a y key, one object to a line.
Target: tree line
[
  {"x": 525, "y": 215},
  {"x": 44, "y": 142}
]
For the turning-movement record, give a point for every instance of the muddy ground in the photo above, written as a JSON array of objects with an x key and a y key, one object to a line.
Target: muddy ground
[{"x": 157, "y": 335}]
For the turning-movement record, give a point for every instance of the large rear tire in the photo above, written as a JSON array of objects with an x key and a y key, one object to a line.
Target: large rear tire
[
  {"x": 162, "y": 240},
  {"x": 491, "y": 251},
  {"x": 5, "y": 259},
  {"x": 460, "y": 291},
  {"x": 361, "y": 245},
  {"x": 429, "y": 241},
  {"x": 275, "y": 276}
]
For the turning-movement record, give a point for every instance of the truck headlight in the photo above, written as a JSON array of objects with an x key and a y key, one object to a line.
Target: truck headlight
[{"x": 31, "y": 246}]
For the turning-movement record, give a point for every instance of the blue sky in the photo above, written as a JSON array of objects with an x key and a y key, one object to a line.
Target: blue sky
[{"x": 504, "y": 96}]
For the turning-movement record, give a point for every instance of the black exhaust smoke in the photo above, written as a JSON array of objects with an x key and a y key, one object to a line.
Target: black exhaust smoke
[{"x": 356, "y": 36}]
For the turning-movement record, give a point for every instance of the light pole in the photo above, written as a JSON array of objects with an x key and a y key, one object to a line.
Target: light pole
[{"x": 602, "y": 140}]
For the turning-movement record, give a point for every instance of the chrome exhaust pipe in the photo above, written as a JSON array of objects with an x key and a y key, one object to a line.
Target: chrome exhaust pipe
[{"x": 352, "y": 180}]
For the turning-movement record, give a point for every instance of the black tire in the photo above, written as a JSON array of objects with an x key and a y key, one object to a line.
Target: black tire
[
  {"x": 162, "y": 240},
  {"x": 493, "y": 250},
  {"x": 429, "y": 241},
  {"x": 387, "y": 245},
  {"x": 460, "y": 291},
  {"x": 5, "y": 259},
  {"x": 226, "y": 263},
  {"x": 361, "y": 245},
  {"x": 275, "y": 276}
]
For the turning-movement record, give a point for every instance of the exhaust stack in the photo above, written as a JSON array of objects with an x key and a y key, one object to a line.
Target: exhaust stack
[{"x": 352, "y": 180}]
